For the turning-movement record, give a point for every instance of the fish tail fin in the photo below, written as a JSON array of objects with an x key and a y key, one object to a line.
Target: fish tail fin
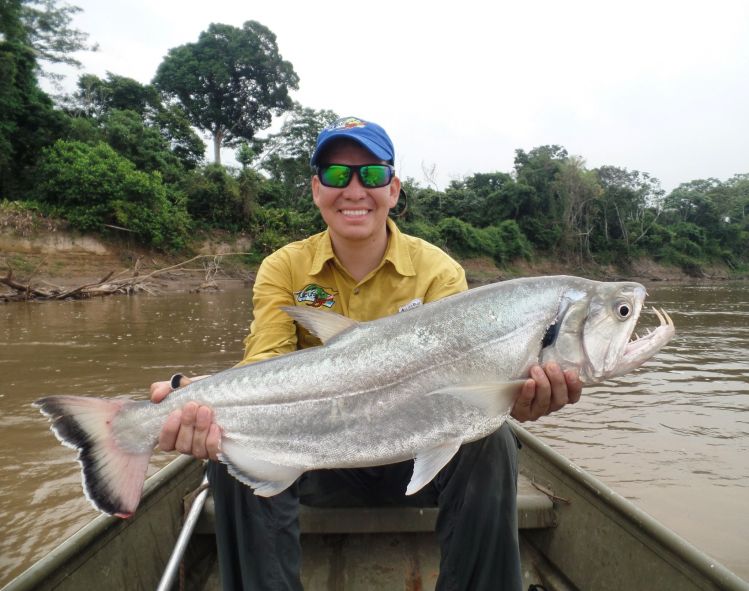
[{"x": 112, "y": 477}]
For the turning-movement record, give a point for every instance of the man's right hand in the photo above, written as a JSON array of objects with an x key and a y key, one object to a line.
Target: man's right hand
[{"x": 190, "y": 430}]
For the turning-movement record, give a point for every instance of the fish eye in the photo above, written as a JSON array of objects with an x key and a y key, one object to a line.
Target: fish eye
[{"x": 623, "y": 310}]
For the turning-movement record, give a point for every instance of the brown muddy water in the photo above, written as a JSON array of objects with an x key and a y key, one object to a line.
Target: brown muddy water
[{"x": 673, "y": 437}]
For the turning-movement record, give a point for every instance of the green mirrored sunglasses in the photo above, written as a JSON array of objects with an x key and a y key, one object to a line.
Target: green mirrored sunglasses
[{"x": 371, "y": 176}]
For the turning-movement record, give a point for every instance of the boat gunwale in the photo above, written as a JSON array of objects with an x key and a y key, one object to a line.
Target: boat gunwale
[
  {"x": 628, "y": 512},
  {"x": 93, "y": 532}
]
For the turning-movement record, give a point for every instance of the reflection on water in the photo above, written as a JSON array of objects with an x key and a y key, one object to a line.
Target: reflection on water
[{"x": 674, "y": 437}]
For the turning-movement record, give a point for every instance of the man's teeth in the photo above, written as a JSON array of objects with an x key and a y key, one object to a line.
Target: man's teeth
[{"x": 353, "y": 212}]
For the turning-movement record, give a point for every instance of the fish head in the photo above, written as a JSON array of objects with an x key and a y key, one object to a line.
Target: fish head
[{"x": 594, "y": 331}]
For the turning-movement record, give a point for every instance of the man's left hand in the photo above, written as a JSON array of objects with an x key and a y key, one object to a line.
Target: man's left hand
[{"x": 547, "y": 390}]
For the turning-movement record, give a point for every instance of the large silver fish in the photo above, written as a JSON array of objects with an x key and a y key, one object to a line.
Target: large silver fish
[{"x": 413, "y": 385}]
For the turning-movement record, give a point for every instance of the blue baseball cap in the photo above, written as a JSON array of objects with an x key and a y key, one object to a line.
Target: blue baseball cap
[{"x": 370, "y": 136}]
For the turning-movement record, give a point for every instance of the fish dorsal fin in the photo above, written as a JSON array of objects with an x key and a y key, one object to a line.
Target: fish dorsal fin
[
  {"x": 265, "y": 478},
  {"x": 324, "y": 325},
  {"x": 494, "y": 398},
  {"x": 430, "y": 461}
]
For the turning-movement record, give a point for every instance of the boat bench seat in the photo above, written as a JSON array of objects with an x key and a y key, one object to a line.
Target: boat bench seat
[{"x": 535, "y": 510}]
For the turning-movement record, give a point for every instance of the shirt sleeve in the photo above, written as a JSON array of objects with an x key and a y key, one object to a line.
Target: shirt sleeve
[
  {"x": 272, "y": 331},
  {"x": 450, "y": 280}
]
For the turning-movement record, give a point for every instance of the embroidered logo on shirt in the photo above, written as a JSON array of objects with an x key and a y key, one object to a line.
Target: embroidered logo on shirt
[
  {"x": 316, "y": 296},
  {"x": 411, "y": 305}
]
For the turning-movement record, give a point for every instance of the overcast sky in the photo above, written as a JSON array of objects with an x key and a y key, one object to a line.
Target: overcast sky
[{"x": 656, "y": 86}]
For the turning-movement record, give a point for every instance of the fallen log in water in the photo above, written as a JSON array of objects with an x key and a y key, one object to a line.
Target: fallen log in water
[{"x": 126, "y": 283}]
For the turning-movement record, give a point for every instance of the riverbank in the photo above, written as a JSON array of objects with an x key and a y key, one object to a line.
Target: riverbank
[{"x": 49, "y": 256}]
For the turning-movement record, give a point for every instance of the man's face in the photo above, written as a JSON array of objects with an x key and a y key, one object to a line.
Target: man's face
[{"x": 355, "y": 212}]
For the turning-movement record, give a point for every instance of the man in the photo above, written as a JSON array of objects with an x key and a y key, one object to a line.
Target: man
[{"x": 364, "y": 268}]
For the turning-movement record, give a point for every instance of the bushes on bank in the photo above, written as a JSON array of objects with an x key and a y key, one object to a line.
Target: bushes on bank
[
  {"x": 502, "y": 242},
  {"x": 96, "y": 189}
]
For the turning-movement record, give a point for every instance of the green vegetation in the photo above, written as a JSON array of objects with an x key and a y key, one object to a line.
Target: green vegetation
[{"x": 120, "y": 157}]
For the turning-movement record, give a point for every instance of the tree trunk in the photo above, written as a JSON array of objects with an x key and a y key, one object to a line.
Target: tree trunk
[{"x": 218, "y": 135}]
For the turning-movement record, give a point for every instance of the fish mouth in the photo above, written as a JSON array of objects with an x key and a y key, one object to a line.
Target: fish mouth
[{"x": 640, "y": 349}]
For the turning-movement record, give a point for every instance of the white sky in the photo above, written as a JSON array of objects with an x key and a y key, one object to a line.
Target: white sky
[{"x": 656, "y": 86}]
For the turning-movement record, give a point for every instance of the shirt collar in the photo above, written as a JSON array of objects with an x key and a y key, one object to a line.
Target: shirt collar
[
  {"x": 397, "y": 252},
  {"x": 323, "y": 253}
]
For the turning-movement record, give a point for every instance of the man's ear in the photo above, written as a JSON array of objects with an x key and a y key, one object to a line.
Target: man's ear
[
  {"x": 395, "y": 191},
  {"x": 315, "y": 189}
]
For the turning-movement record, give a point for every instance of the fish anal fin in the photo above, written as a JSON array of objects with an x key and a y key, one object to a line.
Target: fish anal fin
[
  {"x": 493, "y": 398},
  {"x": 429, "y": 462},
  {"x": 324, "y": 325},
  {"x": 265, "y": 478}
]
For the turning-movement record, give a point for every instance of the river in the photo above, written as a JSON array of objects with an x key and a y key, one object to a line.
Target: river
[{"x": 673, "y": 437}]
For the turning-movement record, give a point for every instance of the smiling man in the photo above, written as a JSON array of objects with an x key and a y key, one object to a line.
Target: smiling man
[{"x": 364, "y": 268}]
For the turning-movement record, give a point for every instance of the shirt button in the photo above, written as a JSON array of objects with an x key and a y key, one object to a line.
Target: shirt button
[{"x": 356, "y": 291}]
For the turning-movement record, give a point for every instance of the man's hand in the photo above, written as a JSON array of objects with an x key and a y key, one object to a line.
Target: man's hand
[
  {"x": 547, "y": 390},
  {"x": 190, "y": 430}
]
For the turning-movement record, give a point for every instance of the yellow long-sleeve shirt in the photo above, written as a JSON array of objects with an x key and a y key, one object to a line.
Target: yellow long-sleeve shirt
[{"x": 307, "y": 273}]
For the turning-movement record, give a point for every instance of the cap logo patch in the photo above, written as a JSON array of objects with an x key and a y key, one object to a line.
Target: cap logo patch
[
  {"x": 346, "y": 123},
  {"x": 316, "y": 296}
]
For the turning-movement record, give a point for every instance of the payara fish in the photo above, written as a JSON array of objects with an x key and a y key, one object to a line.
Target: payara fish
[{"x": 415, "y": 385}]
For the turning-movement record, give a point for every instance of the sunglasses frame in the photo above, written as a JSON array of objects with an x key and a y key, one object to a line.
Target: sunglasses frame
[{"x": 355, "y": 168}]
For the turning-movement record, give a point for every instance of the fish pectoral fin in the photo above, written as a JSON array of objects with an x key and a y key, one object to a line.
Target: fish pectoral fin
[
  {"x": 430, "y": 461},
  {"x": 265, "y": 478},
  {"x": 324, "y": 325},
  {"x": 494, "y": 398}
]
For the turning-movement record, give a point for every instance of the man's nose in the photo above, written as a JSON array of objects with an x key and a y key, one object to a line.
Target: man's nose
[{"x": 355, "y": 189}]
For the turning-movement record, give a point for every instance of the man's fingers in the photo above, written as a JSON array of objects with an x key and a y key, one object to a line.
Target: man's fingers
[
  {"x": 159, "y": 391},
  {"x": 521, "y": 410},
  {"x": 542, "y": 401},
  {"x": 203, "y": 420},
  {"x": 559, "y": 396},
  {"x": 574, "y": 385},
  {"x": 187, "y": 428},
  {"x": 213, "y": 441},
  {"x": 168, "y": 435}
]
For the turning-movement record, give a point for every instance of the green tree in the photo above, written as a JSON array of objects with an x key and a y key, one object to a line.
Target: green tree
[
  {"x": 48, "y": 31},
  {"x": 720, "y": 210},
  {"x": 286, "y": 155},
  {"x": 478, "y": 199},
  {"x": 230, "y": 82},
  {"x": 579, "y": 195},
  {"x": 96, "y": 188},
  {"x": 98, "y": 98},
  {"x": 214, "y": 198},
  {"x": 95, "y": 96},
  {"x": 539, "y": 205},
  {"x": 631, "y": 204},
  {"x": 28, "y": 121}
]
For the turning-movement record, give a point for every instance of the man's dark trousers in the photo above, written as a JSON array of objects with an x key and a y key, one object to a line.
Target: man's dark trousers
[{"x": 476, "y": 492}]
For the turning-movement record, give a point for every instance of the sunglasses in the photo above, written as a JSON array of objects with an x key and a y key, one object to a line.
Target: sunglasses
[{"x": 371, "y": 176}]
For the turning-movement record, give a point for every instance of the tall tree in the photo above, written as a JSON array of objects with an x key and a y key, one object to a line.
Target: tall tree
[
  {"x": 27, "y": 120},
  {"x": 286, "y": 155},
  {"x": 579, "y": 193},
  {"x": 541, "y": 209},
  {"x": 230, "y": 83},
  {"x": 98, "y": 99},
  {"x": 632, "y": 201},
  {"x": 49, "y": 32}
]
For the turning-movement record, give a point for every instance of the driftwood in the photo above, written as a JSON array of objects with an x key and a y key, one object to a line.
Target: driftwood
[{"x": 126, "y": 282}]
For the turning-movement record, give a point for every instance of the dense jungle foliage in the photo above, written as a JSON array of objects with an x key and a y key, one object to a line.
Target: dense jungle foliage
[{"x": 120, "y": 157}]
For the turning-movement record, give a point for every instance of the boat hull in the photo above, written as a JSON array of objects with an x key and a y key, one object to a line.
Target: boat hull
[{"x": 576, "y": 534}]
